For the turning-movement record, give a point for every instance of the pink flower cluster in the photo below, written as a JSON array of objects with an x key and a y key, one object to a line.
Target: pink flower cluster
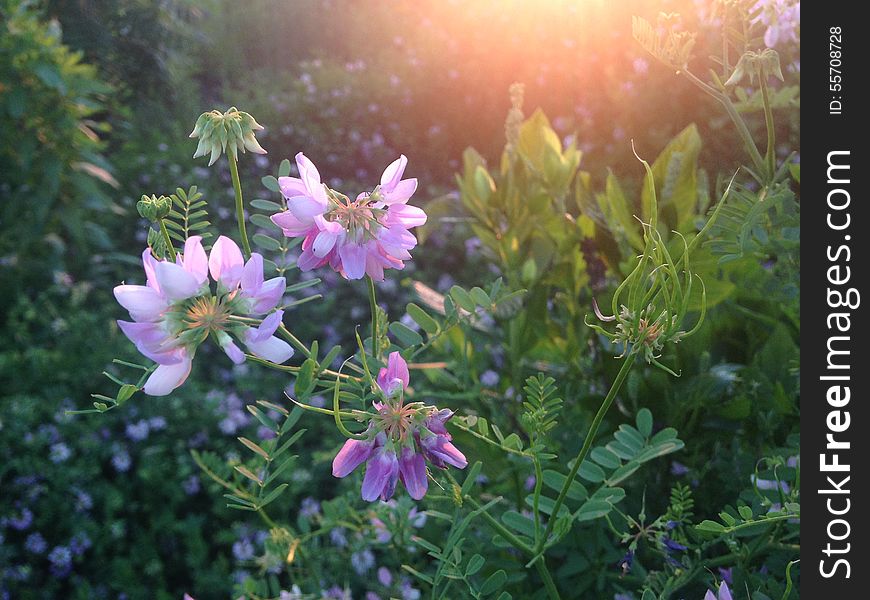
[
  {"x": 176, "y": 310},
  {"x": 355, "y": 237},
  {"x": 401, "y": 438}
]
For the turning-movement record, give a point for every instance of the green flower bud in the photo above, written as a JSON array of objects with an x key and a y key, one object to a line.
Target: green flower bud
[
  {"x": 756, "y": 64},
  {"x": 233, "y": 130},
  {"x": 153, "y": 208}
]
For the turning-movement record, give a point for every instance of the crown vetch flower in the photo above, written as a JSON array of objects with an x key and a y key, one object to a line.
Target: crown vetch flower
[
  {"x": 176, "y": 310},
  {"x": 233, "y": 129},
  {"x": 355, "y": 237},
  {"x": 723, "y": 594},
  {"x": 401, "y": 438}
]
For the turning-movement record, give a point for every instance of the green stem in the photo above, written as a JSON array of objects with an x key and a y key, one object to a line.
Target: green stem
[
  {"x": 544, "y": 572},
  {"x": 587, "y": 445},
  {"x": 240, "y": 207},
  {"x": 738, "y": 121},
  {"x": 376, "y": 343},
  {"x": 770, "y": 155},
  {"x": 170, "y": 248}
]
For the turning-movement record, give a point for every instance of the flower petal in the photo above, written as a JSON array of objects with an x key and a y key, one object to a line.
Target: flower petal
[
  {"x": 175, "y": 282},
  {"x": 291, "y": 186},
  {"x": 381, "y": 473},
  {"x": 166, "y": 378},
  {"x": 393, "y": 173},
  {"x": 226, "y": 263},
  {"x": 195, "y": 261},
  {"x": 305, "y": 208},
  {"x": 412, "y": 467},
  {"x": 405, "y": 215},
  {"x": 252, "y": 273},
  {"x": 724, "y": 592},
  {"x": 148, "y": 262},
  {"x": 353, "y": 260},
  {"x": 351, "y": 455},
  {"x": 144, "y": 303},
  {"x": 309, "y": 175},
  {"x": 291, "y": 226},
  {"x": 401, "y": 193},
  {"x": 269, "y": 295},
  {"x": 323, "y": 243},
  {"x": 271, "y": 349}
]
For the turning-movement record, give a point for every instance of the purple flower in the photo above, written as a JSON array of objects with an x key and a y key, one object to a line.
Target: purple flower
[
  {"x": 80, "y": 543},
  {"x": 355, "y": 237},
  {"x": 489, "y": 378},
  {"x": 362, "y": 561},
  {"x": 121, "y": 461},
  {"x": 21, "y": 521},
  {"x": 176, "y": 310},
  {"x": 385, "y": 577},
  {"x": 626, "y": 561},
  {"x": 157, "y": 423},
  {"x": 61, "y": 561},
  {"x": 678, "y": 469},
  {"x": 400, "y": 439},
  {"x": 35, "y": 543},
  {"x": 138, "y": 431},
  {"x": 191, "y": 485},
  {"x": 243, "y": 550},
  {"x": 309, "y": 507},
  {"x": 59, "y": 452},
  {"x": 723, "y": 594},
  {"x": 337, "y": 537}
]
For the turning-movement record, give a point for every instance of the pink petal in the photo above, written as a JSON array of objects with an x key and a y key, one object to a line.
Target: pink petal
[
  {"x": 175, "y": 282},
  {"x": 148, "y": 262},
  {"x": 195, "y": 261},
  {"x": 150, "y": 335},
  {"x": 405, "y": 215},
  {"x": 412, "y": 467},
  {"x": 231, "y": 350},
  {"x": 393, "y": 173},
  {"x": 271, "y": 349},
  {"x": 351, "y": 455},
  {"x": 291, "y": 186},
  {"x": 305, "y": 208},
  {"x": 226, "y": 263},
  {"x": 397, "y": 369},
  {"x": 310, "y": 176},
  {"x": 267, "y": 327},
  {"x": 252, "y": 273},
  {"x": 307, "y": 261},
  {"x": 269, "y": 295},
  {"x": 353, "y": 260},
  {"x": 401, "y": 193},
  {"x": 709, "y": 595},
  {"x": 323, "y": 243},
  {"x": 381, "y": 474},
  {"x": 166, "y": 378},
  {"x": 291, "y": 226},
  {"x": 374, "y": 267},
  {"x": 143, "y": 302}
]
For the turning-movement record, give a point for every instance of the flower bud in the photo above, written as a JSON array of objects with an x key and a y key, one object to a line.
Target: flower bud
[
  {"x": 153, "y": 208},
  {"x": 232, "y": 129},
  {"x": 761, "y": 64}
]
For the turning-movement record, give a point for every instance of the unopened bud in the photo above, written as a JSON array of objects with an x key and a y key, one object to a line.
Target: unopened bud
[
  {"x": 154, "y": 208},
  {"x": 233, "y": 130}
]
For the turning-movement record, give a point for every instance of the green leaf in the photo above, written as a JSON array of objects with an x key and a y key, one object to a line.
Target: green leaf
[
  {"x": 745, "y": 512},
  {"x": 265, "y": 242},
  {"x": 406, "y": 336},
  {"x": 266, "y": 205},
  {"x": 273, "y": 495},
  {"x": 271, "y": 183},
  {"x": 493, "y": 583},
  {"x": 263, "y": 222},
  {"x": 421, "y": 318},
  {"x": 253, "y": 447},
  {"x": 284, "y": 168},
  {"x": 462, "y": 298},
  {"x": 418, "y": 574},
  {"x": 591, "y": 472},
  {"x": 728, "y": 519},
  {"x": 518, "y": 522},
  {"x": 474, "y": 565},
  {"x": 644, "y": 422},
  {"x": 555, "y": 480},
  {"x": 605, "y": 458},
  {"x": 471, "y": 478},
  {"x": 675, "y": 172},
  {"x": 593, "y": 509},
  {"x": 710, "y": 527},
  {"x": 480, "y": 297}
]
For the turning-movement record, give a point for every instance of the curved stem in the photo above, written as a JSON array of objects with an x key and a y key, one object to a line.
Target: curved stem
[
  {"x": 337, "y": 414},
  {"x": 240, "y": 207},
  {"x": 587, "y": 445}
]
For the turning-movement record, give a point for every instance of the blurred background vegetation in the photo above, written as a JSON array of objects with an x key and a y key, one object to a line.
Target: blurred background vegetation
[{"x": 96, "y": 100}]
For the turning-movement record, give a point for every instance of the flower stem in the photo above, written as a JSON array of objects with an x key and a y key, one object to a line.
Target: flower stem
[
  {"x": 544, "y": 572},
  {"x": 376, "y": 344},
  {"x": 770, "y": 155},
  {"x": 170, "y": 248},
  {"x": 587, "y": 445},
  {"x": 240, "y": 207}
]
